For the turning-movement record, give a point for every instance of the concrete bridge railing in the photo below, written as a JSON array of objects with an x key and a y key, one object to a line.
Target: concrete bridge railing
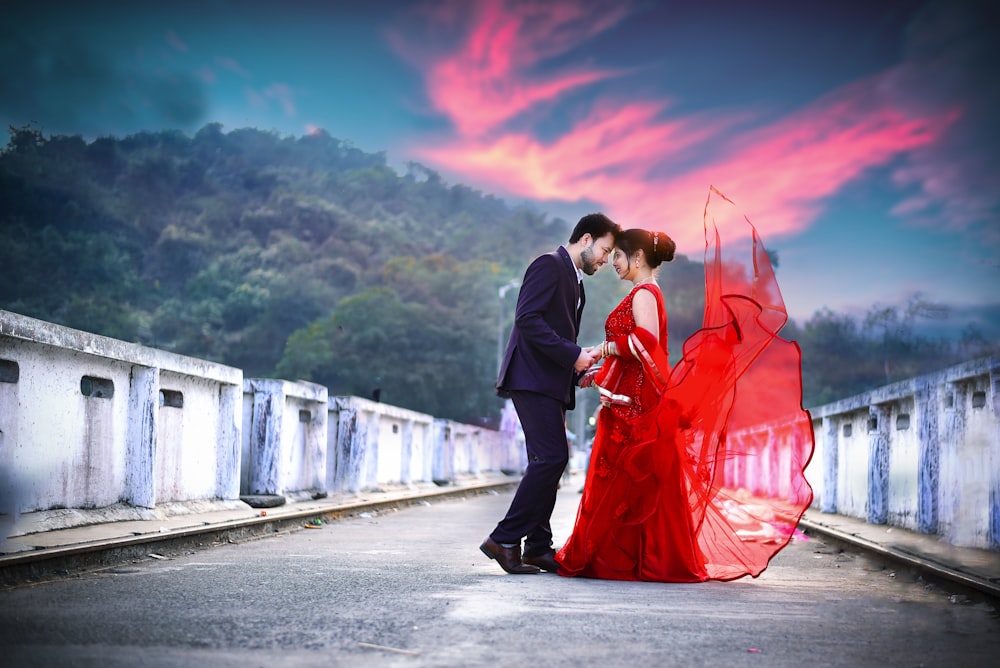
[
  {"x": 88, "y": 422},
  {"x": 922, "y": 454}
]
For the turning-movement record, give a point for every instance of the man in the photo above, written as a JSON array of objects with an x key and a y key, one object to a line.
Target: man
[{"x": 539, "y": 374}]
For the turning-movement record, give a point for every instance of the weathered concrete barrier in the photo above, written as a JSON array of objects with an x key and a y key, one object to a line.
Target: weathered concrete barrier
[
  {"x": 778, "y": 452},
  {"x": 922, "y": 454},
  {"x": 93, "y": 429},
  {"x": 87, "y": 421},
  {"x": 284, "y": 438},
  {"x": 374, "y": 444},
  {"x": 476, "y": 449}
]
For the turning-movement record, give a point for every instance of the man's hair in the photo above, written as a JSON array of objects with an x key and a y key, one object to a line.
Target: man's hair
[{"x": 596, "y": 225}]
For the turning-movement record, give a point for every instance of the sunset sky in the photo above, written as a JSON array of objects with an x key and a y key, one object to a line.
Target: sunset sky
[{"x": 861, "y": 138}]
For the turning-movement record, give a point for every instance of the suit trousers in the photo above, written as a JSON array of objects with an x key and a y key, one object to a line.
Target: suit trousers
[{"x": 543, "y": 420}]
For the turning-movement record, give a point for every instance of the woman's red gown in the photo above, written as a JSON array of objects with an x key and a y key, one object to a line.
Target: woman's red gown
[{"x": 697, "y": 471}]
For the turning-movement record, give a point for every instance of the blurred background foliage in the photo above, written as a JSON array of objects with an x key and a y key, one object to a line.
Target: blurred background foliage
[{"x": 306, "y": 258}]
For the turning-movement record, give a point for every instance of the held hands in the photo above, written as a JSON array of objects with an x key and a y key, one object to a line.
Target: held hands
[
  {"x": 602, "y": 350},
  {"x": 588, "y": 357},
  {"x": 585, "y": 360}
]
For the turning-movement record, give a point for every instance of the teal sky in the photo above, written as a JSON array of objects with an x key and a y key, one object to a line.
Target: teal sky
[{"x": 859, "y": 137}]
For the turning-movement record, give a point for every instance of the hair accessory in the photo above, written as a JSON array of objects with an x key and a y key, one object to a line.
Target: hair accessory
[{"x": 656, "y": 237}]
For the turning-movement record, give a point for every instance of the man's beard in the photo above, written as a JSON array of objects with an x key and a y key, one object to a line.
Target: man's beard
[{"x": 587, "y": 260}]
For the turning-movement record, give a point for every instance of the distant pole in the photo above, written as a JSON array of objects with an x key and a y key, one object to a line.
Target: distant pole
[{"x": 500, "y": 294}]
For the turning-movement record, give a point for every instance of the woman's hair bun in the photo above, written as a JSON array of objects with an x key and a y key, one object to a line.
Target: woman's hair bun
[{"x": 663, "y": 247}]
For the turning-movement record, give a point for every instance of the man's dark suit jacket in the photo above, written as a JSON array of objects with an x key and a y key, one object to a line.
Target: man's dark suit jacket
[{"x": 542, "y": 347}]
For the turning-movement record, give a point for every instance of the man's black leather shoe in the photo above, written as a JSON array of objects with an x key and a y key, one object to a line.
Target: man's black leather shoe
[
  {"x": 509, "y": 558},
  {"x": 547, "y": 561}
]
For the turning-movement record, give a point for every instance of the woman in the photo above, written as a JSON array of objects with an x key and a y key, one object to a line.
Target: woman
[{"x": 696, "y": 471}]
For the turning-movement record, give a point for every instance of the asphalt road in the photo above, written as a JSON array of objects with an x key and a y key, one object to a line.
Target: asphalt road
[{"x": 410, "y": 588}]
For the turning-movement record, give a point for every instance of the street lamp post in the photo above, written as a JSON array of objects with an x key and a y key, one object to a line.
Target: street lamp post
[{"x": 500, "y": 293}]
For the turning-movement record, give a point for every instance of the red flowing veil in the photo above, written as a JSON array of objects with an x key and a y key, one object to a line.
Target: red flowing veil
[{"x": 744, "y": 437}]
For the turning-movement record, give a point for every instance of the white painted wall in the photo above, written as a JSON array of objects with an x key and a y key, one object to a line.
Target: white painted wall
[
  {"x": 943, "y": 439},
  {"x": 65, "y": 449},
  {"x": 284, "y": 439},
  {"x": 903, "y": 464},
  {"x": 853, "y": 457}
]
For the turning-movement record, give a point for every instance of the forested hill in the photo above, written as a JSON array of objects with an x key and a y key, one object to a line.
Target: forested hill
[
  {"x": 306, "y": 258},
  {"x": 301, "y": 258}
]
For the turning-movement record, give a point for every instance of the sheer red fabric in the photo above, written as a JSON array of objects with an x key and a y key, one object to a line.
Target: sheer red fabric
[{"x": 697, "y": 471}]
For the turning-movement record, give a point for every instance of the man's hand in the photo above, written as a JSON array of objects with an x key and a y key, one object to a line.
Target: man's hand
[{"x": 585, "y": 360}]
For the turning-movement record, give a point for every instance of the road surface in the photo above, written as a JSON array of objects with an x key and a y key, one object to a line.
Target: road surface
[{"x": 410, "y": 588}]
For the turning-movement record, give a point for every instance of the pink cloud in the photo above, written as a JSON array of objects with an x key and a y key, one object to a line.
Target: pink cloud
[
  {"x": 175, "y": 41},
  {"x": 610, "y": 144},
  {"x": 232, "y": 65},
  {"x": 780, "y": 173},
  {"x": 645, "y": 167},
  {"x": 950, "y": 53},
  {"x": 278, "y": 92},
  {"x": 491, "y": 77},
  {"x": 206, "y": 75},
  {"x": 283, "y": 94}
]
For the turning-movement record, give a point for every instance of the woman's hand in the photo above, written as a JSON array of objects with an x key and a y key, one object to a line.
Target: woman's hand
[{"x": 587, "y": 379}]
